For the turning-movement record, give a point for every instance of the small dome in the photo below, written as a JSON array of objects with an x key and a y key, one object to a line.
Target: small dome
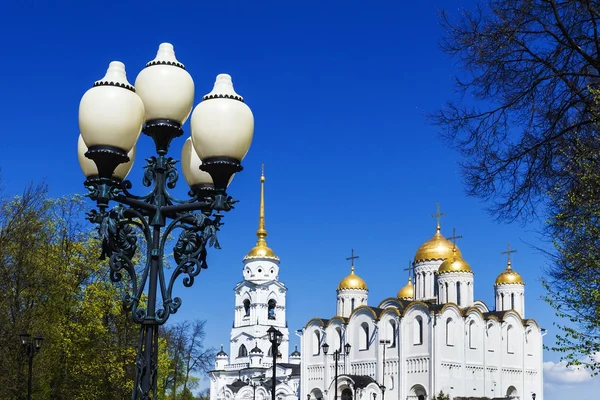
[
  {"x": 436, "y": 248},
  {"x": 509, "y": 276},
  {"x": 408, "y": 291},
  {"x": 296, "y": 353},
  {"x": 256, "y": 350},
  {"x": 261, "y": 251},
  {"x": 454, "y": 264},
  {"x": 221, "y": 353},
  {"x": 352, "y": 281}
]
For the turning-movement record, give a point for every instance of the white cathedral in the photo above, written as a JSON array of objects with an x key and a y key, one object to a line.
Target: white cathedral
[{"x": 431, "y": 337}]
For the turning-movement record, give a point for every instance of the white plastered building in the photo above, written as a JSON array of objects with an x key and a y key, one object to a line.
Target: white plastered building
[
  {"x": 260, "y": 303},
  {"x": 431, "y": 337}
]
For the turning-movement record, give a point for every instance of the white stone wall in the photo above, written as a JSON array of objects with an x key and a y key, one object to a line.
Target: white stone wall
[{"x": 457, "y": 351}]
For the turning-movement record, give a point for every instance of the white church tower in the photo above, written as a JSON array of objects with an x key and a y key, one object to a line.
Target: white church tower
[
  {"x": 259, "y": 299},
  {"x": 509, "y": 289},
  {"x": 428, "y": 259},
  {"x": 352, "y": 292}
]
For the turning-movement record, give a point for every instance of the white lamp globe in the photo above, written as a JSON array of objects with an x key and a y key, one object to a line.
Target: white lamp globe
[
  {"x": 89, "y": 167},
  {"x": 190, "y": 164},
  {"x": 222, "y": 124},
  {"x": 165, "y": 87},
  {"x": 110, "y": 113}
]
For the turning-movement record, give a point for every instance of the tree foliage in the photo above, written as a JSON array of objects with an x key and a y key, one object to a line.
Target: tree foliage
[
  {"x": 526, "y": 126},
  {"x": 573, "y": 283},
  {"x": 527, "y": 66},
  {"x": 52, "y": 283}
]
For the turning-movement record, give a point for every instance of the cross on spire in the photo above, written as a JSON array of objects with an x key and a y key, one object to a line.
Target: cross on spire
[
  {"x": 438, "y": 214},
  {"x": 507, "y": 252},
  {"x": 352, "y": 258},
  {"x": 409, "y": 269},
  {"x": 454, "y": 237}
]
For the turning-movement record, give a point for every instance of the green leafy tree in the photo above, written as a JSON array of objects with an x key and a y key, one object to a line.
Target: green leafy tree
[
  {"x": 573, "y": 279},
  {"x": 441, "y": 396}
]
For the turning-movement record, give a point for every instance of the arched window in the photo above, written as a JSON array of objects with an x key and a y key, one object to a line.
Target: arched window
[
  {"x": 246, "y": 308},
  {"x": 242, "y": 352},
  {"x": 449, "y": 338},
  {"x": 458, "y": 293},
  {"x": 446, "y": 299},
  {"x": 492, "y": 337},
  {"x": 316, "y": 344},
  {"x": 346, "y": 394},
  {"x": 339, "y": 339},
  {"x": 512, "y": 301},
  {"x": 364, "y": 336},
  {"x": 502, "y": 301},
  {"x": 392, "y": 333},
  {"x": 510, "y": 331},
  {"x": 472, "y": 343},
  {"x": 351, "y": 305},
  {"x": 272, "y": 303},
  {"x": 418, "y": 331}
]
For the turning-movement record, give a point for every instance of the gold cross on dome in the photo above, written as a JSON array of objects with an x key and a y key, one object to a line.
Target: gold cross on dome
[
  {"x": 352, "y": 258},
  {"x": 410, "y": 268},
  {"x": 454, "y": 237},
  {"x": 438, "y": 214},
  {"x": 508, "y": 251}
]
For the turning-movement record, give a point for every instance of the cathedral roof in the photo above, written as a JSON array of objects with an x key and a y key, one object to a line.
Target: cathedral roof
[
  {"x": 454, "y": 264},
  {"x": 436, "y": 248},
  {"x": 296, "y": 353},
  {"x": 256, "y": 350},
  {"x": 221, "y": 353},
  {"x": 352, "y": 281},
  {"x": 509, "y": 276},
  {"x": 261, "y": 250},
  {"x": 408, "y": 291},
  {"x": 360, "y": 381}
]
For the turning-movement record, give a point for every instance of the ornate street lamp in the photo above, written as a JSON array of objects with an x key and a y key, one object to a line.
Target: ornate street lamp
[
  {"x": 336, "y": 357},
  {"x": 31, "y": 348},
  {"x": 385, "y": 343},
  {"x": 275, "y": 338},
  {"x": 112, "y": 115},
  {"x": 254, "y": 385}
]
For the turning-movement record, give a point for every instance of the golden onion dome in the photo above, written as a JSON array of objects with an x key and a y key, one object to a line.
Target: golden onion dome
[
  {"x": 352, "y": 281},
  {"x": 408, "y": 291},
  {"x": 454, "y": 263},
  {"x": 436, "y": 248},
  {"x": 509, "y": 277},
  {"x": 261, "y": 250}
]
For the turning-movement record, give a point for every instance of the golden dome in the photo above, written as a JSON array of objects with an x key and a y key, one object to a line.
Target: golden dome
[
  {"x": 408, "y": 291},
  {"x": 436, "y": 248},
  {"x": 261, "y": 250},
  {"x": 352, "y": 281},
  {"x": 509, "y": 276},
  {"x": 454, "y": 263}
]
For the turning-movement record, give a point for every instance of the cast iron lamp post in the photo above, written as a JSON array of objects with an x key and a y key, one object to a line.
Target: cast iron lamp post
[
  {"x": 385, "y": 343},
  {"x": 254, "y": 385},
  {"x": 31, "y": 348},
  {"x": 112, "y": 114},
  {"x": 336, "y": 357},
  {"x": 275, "y": 338}
]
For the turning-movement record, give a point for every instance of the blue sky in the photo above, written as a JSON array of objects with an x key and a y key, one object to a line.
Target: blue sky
[{"x": 339, "y": 91}]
